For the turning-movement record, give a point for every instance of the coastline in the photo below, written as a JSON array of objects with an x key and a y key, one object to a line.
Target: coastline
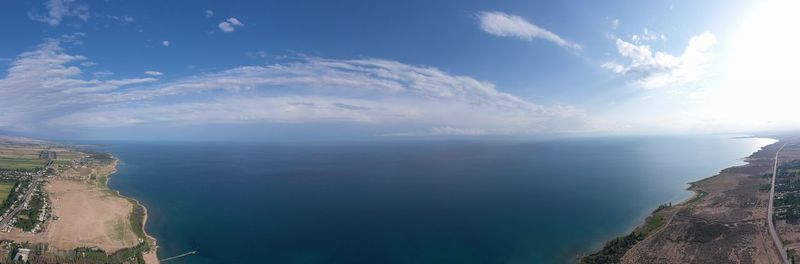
[
  {"x": 667, "y": 209},
  {"x": 151, "y": 256}
]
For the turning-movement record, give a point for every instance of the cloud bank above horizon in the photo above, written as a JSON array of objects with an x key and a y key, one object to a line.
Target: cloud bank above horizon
[{"x": 47, "y": 88}]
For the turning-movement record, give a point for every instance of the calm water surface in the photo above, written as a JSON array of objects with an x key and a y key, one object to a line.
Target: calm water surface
[{"x": 409, "y": 202}]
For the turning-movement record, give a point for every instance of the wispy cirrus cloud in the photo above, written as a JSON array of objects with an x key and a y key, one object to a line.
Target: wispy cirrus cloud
[
  {"x": 655, "y": 69},
  {"x": 46, "y": 88},
  {"x": 507, "y": 25},
  {"x": 57, "y": 10}
]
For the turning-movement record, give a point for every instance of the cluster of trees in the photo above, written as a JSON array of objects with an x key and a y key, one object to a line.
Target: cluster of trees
[
  {"x": 31, "y": 215},
  {"x": 126, "y": 255},
  {"x": 613, "y": 251},
  {"x": 100, "y": 156},
  {"x": 783, "y": 170},
  {"x": 137, "y": 220},
  {"x": 662, "y": 207},
  {"x": 787, "y": 185},
  {"x": 40, "y": 254}
]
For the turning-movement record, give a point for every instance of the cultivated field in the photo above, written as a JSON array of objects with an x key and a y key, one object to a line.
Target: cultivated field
[
  {"x": 5, "y": 190},
  {"x": 21, "y": 163},
  {"x": 26, "y": 158}
]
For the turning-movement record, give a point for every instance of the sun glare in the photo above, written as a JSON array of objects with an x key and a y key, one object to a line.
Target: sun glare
[{"x": 761, "y": 79}]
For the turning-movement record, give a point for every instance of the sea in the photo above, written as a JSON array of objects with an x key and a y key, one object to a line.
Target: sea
[{"x": 446, "y": 201}]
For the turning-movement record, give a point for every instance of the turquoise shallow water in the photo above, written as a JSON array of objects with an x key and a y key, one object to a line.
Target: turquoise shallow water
[{"x": 409, "y": 202}]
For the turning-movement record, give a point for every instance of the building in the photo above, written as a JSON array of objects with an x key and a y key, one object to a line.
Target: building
[{"x": 22, "y": 254}]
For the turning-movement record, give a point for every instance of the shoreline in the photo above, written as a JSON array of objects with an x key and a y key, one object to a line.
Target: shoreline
[
  {"x": 697, "y": 195},
  {"x": 151, "y": 256}
]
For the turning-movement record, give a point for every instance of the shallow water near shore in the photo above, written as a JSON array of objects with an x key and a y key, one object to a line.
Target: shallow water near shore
[{"x": 409, "y": 202}]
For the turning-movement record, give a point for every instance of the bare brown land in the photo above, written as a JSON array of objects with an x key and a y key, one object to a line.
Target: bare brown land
[
  {"x": 88, "y": 216},
  {"x": 725, "y": 222}
]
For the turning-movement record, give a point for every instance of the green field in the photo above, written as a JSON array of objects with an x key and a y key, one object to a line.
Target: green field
[
  {"x": 21, "y": 163},
  {"x": 5, "y": 190}
]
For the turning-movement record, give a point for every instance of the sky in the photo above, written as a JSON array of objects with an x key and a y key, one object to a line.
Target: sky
[{"x": 321, "y": 70}]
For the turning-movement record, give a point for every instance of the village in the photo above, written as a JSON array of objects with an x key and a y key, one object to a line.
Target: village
[{"x": 787, "y": 192}]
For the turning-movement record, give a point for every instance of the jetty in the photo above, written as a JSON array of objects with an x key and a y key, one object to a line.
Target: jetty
[{"x": 180, "y": 256}]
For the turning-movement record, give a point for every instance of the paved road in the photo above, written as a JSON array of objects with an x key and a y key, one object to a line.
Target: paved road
[
  {"x": 35, "y": 182},
  {"x": 27, "y": 197},
  {"x": 775, "y": 237}
]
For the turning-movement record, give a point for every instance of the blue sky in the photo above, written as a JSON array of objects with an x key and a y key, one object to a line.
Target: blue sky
[{"x": 262, "y": 70}]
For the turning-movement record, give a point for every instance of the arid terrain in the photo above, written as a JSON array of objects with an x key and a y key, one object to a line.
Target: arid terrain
[
  {"x": 88, "y": 216},
  {"x": 725, "y": 223}
]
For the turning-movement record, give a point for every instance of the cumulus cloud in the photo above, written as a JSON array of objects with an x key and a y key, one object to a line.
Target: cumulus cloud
[
  {"x": 57, "y": 10},
  {"x": 209, "y": 13},
  {"x": 507, "y": 25},
  {"x": 153, "y": 73},
  {"x": 230, "y": 25},
  {"x": 47, "y": 88},
  {"x": 165, "y": 43},
  {"x": 655, "y": 69}
]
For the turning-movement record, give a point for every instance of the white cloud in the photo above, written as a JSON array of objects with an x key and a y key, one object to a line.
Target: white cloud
[
  {"x": 45, "y": 89},
  {"x": 615, "y": 23},
  {"x": 226, "y": 27},
  {"x": 653, "y": 70},
  {"x": 47, "y": 81},
  {"x": 230, "y": 25},
  {"x": 235, "y": 22},
  {"x": 507, "y": 25},
  {"x": 209, "y": 13},
  {"x": 165, "y": 43},
  {"x": 153, "y": 73},
  {"x": 57, "y": 10},
  {"x": 647, "y": 35}
]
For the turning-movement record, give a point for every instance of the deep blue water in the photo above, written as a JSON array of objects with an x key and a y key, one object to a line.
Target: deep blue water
[{"x": 409, "y": 202}]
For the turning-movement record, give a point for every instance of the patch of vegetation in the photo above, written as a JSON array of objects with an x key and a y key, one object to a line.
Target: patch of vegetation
[
  {"x": 137, "y": 220},
  {"x": 702, "y": 232},
  {"x": 653, "y": 223},
  {"x": 23, "y": 164},
  {"x": 11, "y": 197},
  {"x": 662, "y": 207},
  {"x": 127, "y": 255},
  {"x": 62, "y": 162},
  {"x": 5, "y": 190},
  {"x": 700, "y": 194},
  {"x": 613, "y": 250},
  {"x": 28, "y": 218},
  {"x": 117, "y": 228},
  {"x": 100, "y": 156}
]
